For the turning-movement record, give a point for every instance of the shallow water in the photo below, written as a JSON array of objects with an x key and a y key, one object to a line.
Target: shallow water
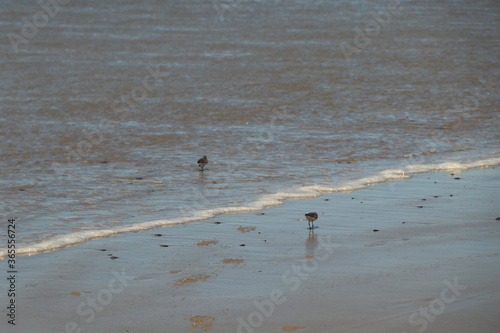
[{"x": 106, "y": 108}]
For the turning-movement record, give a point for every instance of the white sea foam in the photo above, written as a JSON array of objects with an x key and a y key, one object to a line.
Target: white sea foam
[{"x": 266, "y": 201}]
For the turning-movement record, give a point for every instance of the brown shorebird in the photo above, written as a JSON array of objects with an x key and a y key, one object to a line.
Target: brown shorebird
[
  {"x": 311, "y": 217},
  {"x": 202, "y": 162}
]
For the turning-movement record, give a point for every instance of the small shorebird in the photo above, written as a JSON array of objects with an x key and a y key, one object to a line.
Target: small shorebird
[
  {"x": 311, "y": 217},
  {"x": 202, "y": 162}
]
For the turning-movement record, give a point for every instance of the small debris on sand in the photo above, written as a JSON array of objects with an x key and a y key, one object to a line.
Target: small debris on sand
[
  {"x": 293, "y": 328},
  {"x": 192, "y": 278},
  {"x": 205, "y": 243},
  {"x": 233, "y": 261},
  {"x": 246, "y": 229},
  {"x": 203, "y": 322}
]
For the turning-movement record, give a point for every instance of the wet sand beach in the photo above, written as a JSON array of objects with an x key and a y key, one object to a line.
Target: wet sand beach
[
  {"x": 417, "y": 255},
  {"x": 106, "y": 108}
]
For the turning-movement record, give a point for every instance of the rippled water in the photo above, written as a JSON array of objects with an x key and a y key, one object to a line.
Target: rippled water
[{"x": 106, "y": 108}]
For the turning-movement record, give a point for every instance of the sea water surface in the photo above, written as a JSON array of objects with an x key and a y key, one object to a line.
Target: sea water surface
[{"x": 105, "y": 107}]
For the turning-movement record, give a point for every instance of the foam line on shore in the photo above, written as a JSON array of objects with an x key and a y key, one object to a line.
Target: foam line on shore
[{"x": 263, "y": 202}]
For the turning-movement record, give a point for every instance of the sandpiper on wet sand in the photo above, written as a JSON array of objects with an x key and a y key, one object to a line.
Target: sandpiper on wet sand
[{"x": 311, "y": 217}]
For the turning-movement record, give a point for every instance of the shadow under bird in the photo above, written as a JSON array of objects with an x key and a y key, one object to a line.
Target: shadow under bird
[
  {"x": 311, "y": 217},
  {"x": 202, "y": 162}
]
